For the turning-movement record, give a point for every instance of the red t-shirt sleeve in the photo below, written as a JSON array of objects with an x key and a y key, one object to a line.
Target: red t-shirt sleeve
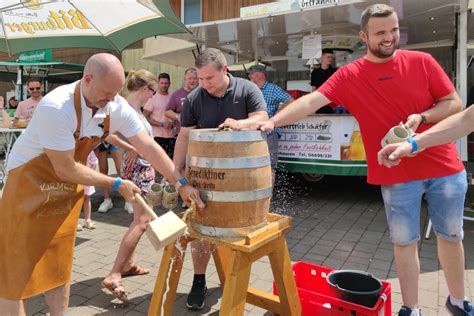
[
  {"x": 333, "y": 89},
  {"x": 439, "y": 83}
]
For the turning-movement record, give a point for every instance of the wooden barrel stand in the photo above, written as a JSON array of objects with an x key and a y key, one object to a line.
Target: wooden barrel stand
[{"x": 233, "y": 260}]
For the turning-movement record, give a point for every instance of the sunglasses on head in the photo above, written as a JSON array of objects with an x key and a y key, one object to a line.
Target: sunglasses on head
[
  {"x": 152, "y": 90},
  {"x": 35, "y": 88}
]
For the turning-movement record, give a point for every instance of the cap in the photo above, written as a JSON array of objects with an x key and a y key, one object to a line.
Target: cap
[{"x": 257, "y": 68}]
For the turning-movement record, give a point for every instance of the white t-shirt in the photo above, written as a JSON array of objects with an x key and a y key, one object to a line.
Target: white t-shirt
[{"x": 55, "y": 122}]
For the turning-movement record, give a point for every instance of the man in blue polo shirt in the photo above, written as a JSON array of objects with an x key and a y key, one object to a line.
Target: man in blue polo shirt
[
  {"x": 276, "y": 99},
  {"x": 220, "y": 100}
]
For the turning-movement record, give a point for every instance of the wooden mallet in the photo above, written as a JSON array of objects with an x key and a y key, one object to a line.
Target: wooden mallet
[{"x": 162, "y": 230}]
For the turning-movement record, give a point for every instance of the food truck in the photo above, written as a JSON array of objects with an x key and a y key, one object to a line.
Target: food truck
[{"x": 287, "y": 37}]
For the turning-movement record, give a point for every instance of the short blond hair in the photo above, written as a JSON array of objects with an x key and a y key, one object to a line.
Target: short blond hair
[{"x": 140, "y": 78}]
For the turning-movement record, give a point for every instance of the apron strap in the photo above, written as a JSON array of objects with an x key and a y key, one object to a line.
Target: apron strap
[
  {"x": 106, "y": 126},
  {"x": 77, "y": 107}
]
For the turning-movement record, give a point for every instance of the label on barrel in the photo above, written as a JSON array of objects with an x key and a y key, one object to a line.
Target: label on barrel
[{"x": 205, "y": 179}]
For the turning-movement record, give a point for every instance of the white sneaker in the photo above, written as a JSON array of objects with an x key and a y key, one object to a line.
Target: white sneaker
[
  {"x": 105, "y": 206},
  {"x": 128, "y": 207},
  {"x": 79, "y": 228}
]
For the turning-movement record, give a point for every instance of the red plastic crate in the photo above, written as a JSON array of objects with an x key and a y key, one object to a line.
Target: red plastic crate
[
  {"x": 315, "y": 295},
  {"x": 295, "y": 94}
]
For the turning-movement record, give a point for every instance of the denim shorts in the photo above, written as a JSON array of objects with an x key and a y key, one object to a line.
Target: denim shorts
[{"x": 445, "y": 198}]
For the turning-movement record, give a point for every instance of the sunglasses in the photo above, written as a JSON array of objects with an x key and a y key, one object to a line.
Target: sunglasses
[
  {"x": 152, "y": 90},
  {"x": 35, "y": 88}
]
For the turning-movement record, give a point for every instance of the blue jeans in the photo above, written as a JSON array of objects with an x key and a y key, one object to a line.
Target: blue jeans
[{"x": 445, "y": 197}]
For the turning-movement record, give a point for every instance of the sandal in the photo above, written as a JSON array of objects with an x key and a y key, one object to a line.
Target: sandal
[
  {"x": 135, "y": 270},
  {"x": 89, "y": 224},
  {"x": 114, "y": 289}
]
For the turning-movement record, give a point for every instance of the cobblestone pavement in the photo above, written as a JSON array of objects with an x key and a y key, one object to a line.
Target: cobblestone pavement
[{"x": 338, "y": 222}]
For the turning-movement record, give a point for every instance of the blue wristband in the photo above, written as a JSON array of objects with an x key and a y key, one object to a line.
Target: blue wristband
[
  {"x": 414, "y": 145},
  {"x": 117, "y": 183}
]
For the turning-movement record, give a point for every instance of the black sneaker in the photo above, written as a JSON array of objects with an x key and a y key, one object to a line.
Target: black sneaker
[
  {"x": 457, "y": 311},
  {"x": 405, "y": 311},
  {"x": 196, "y": 296}
]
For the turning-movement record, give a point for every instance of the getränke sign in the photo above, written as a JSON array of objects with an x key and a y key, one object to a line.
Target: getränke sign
[{"x": 317, "y": 3}]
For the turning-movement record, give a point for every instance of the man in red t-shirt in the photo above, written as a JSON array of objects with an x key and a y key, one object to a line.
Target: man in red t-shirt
[{"x": 383, "y": 88}]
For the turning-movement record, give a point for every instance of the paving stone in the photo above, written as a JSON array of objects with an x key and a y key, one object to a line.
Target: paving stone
[
  {"x": 36, "y": 304},
  {"x": 345, "y": 245},
  {"x": 363, "y": 246},
  {"x": 322, "y": 250},
  {"x": 380, "y": 264},
  {"x": 336, "y": 224},
  {"x": 339, "y": 255},
  {"x": 83, "y": 310}
]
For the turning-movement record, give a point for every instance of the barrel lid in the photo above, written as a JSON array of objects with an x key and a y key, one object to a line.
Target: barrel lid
[{"x": 220, "y": 136}]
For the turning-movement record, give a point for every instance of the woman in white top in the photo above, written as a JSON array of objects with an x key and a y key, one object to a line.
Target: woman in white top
[{"x": 141, "y": 87}]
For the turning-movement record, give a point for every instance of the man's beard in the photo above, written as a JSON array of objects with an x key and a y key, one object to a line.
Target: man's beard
[{"x": 380, "y": 53}]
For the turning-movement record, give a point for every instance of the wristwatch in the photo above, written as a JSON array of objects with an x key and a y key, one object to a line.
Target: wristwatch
[
  {"x": 182, "y": 181},
  {"x": 423, "y": 119}
]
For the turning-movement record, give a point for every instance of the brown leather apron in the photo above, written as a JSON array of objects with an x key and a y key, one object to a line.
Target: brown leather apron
[{"x": 38, "y": 215}]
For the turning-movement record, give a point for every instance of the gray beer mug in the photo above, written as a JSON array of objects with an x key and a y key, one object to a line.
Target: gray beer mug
[
  {"x": 397, "y": 134},
  {"x": 155, "y": 194}
]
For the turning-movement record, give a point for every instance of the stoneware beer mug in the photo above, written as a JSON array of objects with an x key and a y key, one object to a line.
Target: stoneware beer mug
[
  {"x": 170, "y": 197},
  {"x": 155, "y": 194},
  {"x": 397, "y": 134}
]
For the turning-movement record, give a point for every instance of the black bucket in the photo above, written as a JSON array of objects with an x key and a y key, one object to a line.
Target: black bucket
[{"x": 354, "y": 286}]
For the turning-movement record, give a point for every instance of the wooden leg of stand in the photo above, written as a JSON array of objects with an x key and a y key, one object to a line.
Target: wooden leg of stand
[
  {"x": 221, "y": 257},
  {"x": 236, "y": 284},
  {"x": 173, "y": 259},
  {"x": 285, "y": 281}
]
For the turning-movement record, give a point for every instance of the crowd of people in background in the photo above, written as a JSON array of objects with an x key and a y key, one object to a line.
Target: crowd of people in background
[{"x": 222, "y": 99}]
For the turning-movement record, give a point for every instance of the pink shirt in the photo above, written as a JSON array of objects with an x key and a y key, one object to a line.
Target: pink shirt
[
  {"x": 157, "y": 107},
  {"x": 26, "y": 108}
]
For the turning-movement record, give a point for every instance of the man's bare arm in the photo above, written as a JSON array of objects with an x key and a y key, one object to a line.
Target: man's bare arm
[
  {"x": 181, "y": 147},
  {"x": 116, "y": 141},
  {"x": 300, "y": 108},
  {"x": 161, "y": 162},
  {"x": 446, "y": 131},
  {"x": 284, "y": 105},
  {"x": 158, "y": 158},
  {"x": 248, "y": 123},
  {"x": 70, "y": 171},
  {"x": 446, "y": 106},
  {"x": 172, "y": 115}
]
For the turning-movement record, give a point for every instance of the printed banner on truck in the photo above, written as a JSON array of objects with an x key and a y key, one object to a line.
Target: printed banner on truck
[{"x": 322, "y": 137}]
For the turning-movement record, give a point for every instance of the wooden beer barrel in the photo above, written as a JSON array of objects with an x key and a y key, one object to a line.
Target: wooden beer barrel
[{"x": 232, "y": 171}]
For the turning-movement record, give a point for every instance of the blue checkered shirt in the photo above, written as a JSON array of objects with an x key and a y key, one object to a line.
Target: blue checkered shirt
[{"x": 274, "y": 95}]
